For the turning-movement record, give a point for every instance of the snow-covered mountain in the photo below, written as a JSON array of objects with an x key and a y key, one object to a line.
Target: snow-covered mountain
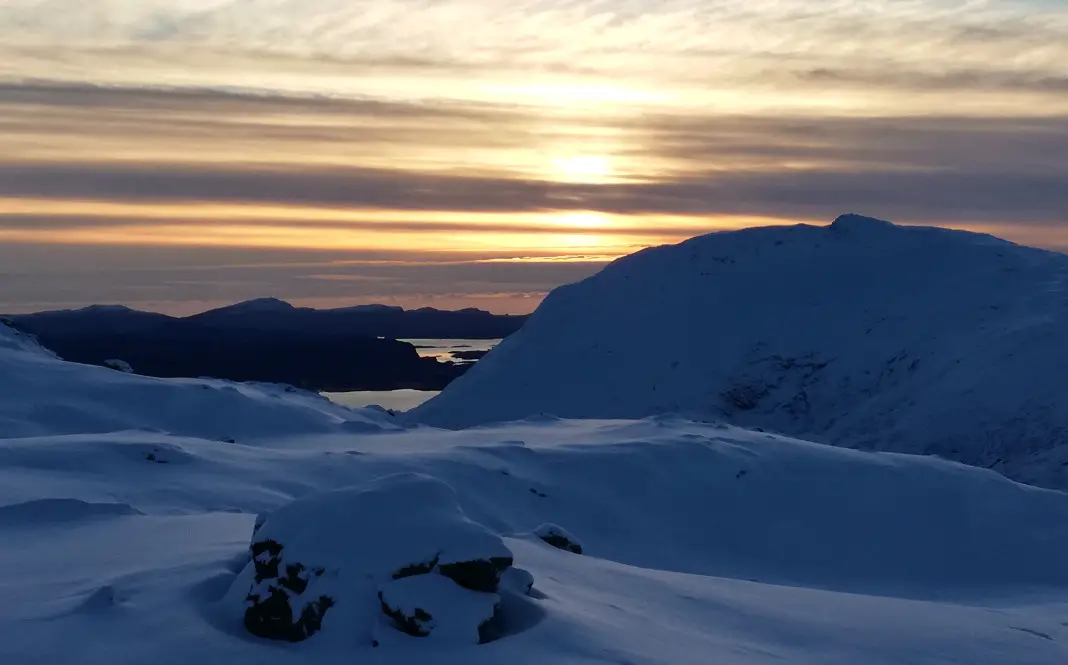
[{"x": 862, "y": 334}]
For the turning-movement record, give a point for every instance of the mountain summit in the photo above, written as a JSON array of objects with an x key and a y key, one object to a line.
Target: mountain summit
[{"x": 861, "y": 333}]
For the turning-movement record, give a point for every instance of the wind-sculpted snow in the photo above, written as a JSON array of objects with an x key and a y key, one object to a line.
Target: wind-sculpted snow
[
  {"x": 862, "y": 334},
  {"x": 699, "y": 541}
]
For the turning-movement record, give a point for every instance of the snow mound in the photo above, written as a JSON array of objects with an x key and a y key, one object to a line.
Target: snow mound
[
  {"x": 319, "y": 563},
  {"x": 862, "y": 334},
  {"x": 435, "y": 606},
  {"x": 517, "y": 580},
  {"x": 41, "y": 395},
  {"x": 50, "y": 511}
]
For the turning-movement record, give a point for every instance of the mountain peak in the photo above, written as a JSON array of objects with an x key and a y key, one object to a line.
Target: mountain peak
[
  {"x": 263, "y": 304},
  {"x": 105, "y": 308},
  {"x": 373, "y": 307},
  {"x": 853, "y": 223}
]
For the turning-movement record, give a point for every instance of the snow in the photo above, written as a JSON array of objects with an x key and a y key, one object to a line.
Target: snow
[
  {"x": 128, "y": 505},
  {"x": 13, "y": 340},
  {"x": 558, "y": 536},
  {"x": 455, "y": 613},
  {"x": 391, "y": 522},
  {"x": 39, "y": 395},
  {"x": 861, "y": 334},
  {"x": 815, "y": 555},
  {"x": 59, "y": 510},
  {"x": 517, "y": 580},
  {"x": 397, "y": 400},
  {"x": 345, "y": 544}
]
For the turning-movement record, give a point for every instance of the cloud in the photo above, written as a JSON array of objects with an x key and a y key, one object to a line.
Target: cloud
[
  {"x": 397, "y": 223},
  {"x": 711, "y": 41},
  {"x": 911, "y": 79},
  {"x": 913, "y": 169},
  {"x": 927, "y": 111},
  {"x": 206, "y": 102},
  {"x": 176, "y": 280}
]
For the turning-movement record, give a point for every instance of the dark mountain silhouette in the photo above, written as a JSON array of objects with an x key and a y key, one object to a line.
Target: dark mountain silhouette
[{"x": 351, "y": 348}]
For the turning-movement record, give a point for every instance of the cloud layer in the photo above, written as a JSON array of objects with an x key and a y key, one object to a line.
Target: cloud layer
[{"x": 492, "y": 130}]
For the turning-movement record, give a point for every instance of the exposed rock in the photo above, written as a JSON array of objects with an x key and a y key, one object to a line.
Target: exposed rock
[
  {"x": 272, "y": 617},
  {"x": 558, "y": 538},
  {"x": 417, "y": 623},
  {"x": 271, "y": 607},
  {"x": 469, "y": 355},
  {"x": 118, "y": 365},
  {"x": 411, "y": 570},
  {"x": 477, "y": 575}
]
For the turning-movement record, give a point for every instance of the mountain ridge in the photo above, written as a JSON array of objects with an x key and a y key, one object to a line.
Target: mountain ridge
[{"x": 267, "y": 339}]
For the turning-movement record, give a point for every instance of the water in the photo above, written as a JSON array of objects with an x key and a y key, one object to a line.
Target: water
[
  {"x": 398, "y": 400},
  {"x": 404, "y": 400},
  {"x": 442, "y": 349}
]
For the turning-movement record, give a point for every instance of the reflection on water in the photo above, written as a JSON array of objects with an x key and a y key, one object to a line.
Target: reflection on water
[
  {"x": 398, "y": 400},
  {"x": 405, "y": 400},
  {"x": 442, "y": 349}
]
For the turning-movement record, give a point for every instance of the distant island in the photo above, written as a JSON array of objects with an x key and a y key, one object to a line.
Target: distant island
[{"x": 270, "y": 340}]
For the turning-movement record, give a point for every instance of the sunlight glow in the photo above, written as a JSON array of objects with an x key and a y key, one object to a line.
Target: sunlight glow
[
  {"x": 570, "y": 234},
  {"x": 584, "y": 168},
  {"x": 584, "y": 220}
]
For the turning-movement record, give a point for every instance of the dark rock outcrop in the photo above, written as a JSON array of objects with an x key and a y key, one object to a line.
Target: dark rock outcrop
[
  {"x": 559, "y": 538},
  {"x": 271, "y": 608},
  {"x": 478, "y": 575}
]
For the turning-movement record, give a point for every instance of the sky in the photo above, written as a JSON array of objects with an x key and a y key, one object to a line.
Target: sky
[{"x": 176, "y": 155}]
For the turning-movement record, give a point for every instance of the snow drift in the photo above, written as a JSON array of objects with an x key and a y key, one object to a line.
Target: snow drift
[{"x": 862, "y": 334}]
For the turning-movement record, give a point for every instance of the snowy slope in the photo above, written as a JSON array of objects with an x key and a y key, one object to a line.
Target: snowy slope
[
  {"x": 862, "y": 334},
  {"x": 12, "y": 341},
  {"x": 703, "y": 543},
  {"x": 41, "y": 395}
]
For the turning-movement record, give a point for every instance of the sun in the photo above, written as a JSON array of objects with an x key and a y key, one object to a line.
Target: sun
[
  {"x": 585, "y": 219},
  {"x": 583, "y": 168}
]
